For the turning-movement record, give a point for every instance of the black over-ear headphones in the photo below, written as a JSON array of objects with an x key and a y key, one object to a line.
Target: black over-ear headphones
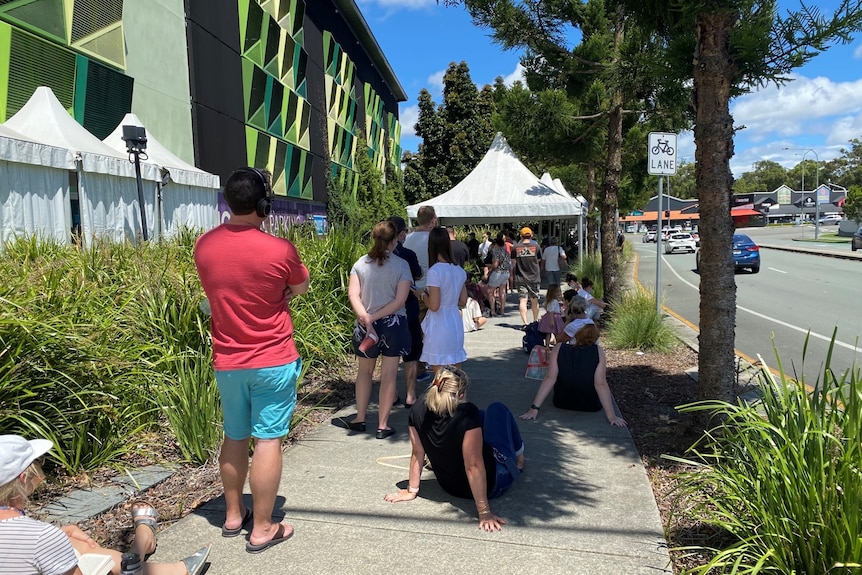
[{"x": 264, "y": 204}]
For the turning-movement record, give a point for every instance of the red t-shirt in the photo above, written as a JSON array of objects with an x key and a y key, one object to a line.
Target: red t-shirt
[{"x": 244, "y": 273}]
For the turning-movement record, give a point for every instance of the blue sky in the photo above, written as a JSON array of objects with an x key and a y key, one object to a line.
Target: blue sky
[{"x": 821, "y": 109}]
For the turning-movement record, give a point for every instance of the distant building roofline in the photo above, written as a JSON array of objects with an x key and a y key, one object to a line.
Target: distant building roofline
[{"x": 357, "y": 23}]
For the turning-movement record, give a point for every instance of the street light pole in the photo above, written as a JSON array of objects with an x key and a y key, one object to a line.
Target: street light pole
[{"x": 816, "y": 185}]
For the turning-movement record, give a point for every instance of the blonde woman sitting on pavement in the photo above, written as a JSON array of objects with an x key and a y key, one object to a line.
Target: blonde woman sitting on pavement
[
  {"x": 31, "y": 547},
  {"x": 475, "y": 454},
  {"x": 577, "y": 375}
]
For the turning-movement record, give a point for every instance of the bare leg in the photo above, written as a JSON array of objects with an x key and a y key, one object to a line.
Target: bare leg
[
  {"x": 176, "y": 568},
  {"x": 363, "y": 387},
  {"x": 491, "y": 294},
  {"x": 502, "y": 294},
  {"x": 388, "y": 375},
  {"x": 480, "y": 321},
  {"x": 522, "y": 309},
  {"x": 264, "y": 479},
  {"x": 233, "y": 466},
  {"x": 410, "y": 370},
  {"x": 534, "y": 303}
]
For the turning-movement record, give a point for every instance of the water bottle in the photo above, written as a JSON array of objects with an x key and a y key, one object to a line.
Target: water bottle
[{"x": 130, "y": 564}]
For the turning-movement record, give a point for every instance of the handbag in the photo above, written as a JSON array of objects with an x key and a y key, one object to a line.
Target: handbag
[
  {"x": 537, "y": 363},
  {"x": 561, "y": 259}
]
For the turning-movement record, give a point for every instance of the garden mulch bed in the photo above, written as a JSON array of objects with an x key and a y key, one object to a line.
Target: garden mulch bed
[{"x": 647, "y": 387}]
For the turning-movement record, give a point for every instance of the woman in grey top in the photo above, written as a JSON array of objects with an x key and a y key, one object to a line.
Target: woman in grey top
[{"x": 378, "y": 288}]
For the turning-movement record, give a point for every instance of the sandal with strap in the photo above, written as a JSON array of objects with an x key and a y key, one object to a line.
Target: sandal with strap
[
  {"x": 143, "y": 513},
  {"x": 195, "y": 563}
]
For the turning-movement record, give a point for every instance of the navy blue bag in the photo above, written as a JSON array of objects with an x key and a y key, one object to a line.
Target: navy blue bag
[{"x": 532, "y": 337}]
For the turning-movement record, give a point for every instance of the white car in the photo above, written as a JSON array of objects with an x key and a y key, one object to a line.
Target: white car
[
  {"x": 649, "y": 236},
  {"x": 833, "y": 219},
  {"x": 682, "y": 241},
  {"x": 667, "y": 232}
]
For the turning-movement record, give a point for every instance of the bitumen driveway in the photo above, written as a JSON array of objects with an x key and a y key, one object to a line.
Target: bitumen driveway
[{"x": 583, "y": 506}]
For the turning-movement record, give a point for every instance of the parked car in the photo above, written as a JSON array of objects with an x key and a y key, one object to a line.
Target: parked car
[
  {"x": 682, "y": 241},
  {"x": 667, "y": 231},
  {"x": 856, "y": 242},
  {"x": 746, "y": 254},
  {"x": 649, "y": 236},
  {"x": 831, "y": 219}
]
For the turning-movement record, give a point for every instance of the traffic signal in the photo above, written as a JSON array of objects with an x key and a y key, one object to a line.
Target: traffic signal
[{"x": 667, "y": 214}]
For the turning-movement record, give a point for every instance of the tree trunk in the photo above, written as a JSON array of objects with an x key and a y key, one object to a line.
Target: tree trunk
[
  {"x": 613, "y": 172},
  {"x": 713, "y": 134},
  {"x": 590, "y": 236}
]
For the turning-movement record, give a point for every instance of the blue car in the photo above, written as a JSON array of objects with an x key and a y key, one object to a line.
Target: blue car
[{"x": 746, "y": 254}]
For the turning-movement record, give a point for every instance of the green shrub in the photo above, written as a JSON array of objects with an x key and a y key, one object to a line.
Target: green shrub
[
  {"x": 782, "y": 477},
  {"x": 634, "y": 324},
  {"x": 590, "y": 267}
]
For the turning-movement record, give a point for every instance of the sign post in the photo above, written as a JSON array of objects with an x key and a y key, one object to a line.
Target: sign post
[{"x": 661, "y": 150}]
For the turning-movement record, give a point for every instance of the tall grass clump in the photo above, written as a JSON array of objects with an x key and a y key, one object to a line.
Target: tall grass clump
[
  {"x": 590, "y": 266},
  {"x": 635, "y": 324},
  {"x": 781, "y": 476},
  {"x": 322, "y": 317}
]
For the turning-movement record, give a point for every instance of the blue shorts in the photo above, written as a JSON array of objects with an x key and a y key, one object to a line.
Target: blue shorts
[
  {"x": 393, "y": 334},
  {"x": 258, "y": 402}
]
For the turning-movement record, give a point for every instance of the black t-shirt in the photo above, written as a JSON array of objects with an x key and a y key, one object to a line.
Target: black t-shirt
[
  {"x": 442, "y": 438},
  {"x": 473, "y": 246},
  {"x": 527, "y": 257},
  {"x": 575, "y": 387},
  {"x": 411, "y": 305},
  {"x": 460, "y": 253}
]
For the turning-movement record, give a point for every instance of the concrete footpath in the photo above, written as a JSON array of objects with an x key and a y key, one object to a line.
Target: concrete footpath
[{"x": 583, "y": 506}]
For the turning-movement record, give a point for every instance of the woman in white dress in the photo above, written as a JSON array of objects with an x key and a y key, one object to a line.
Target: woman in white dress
[{"x": 446, "y": 290}]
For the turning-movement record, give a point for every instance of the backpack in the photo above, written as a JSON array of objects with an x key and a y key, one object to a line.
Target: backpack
[{"x": 532, "y": 337}]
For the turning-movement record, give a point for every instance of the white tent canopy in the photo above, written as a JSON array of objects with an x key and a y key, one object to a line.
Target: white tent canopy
[
  {"x": 500, "y": 189},
  {"x": 34, "y": 188},
  {"x": 181, "y": 172},
  {"x": 107, "y": 190},
  {"x": 190, "y": 200}
]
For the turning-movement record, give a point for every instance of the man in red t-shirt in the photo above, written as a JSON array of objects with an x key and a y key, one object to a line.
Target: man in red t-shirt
[{"x": 249, "y": 278}]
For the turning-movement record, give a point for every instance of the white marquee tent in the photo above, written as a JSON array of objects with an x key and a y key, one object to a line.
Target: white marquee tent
[
  {"x": 189, "y": 199},
  {"x": 106, "y": 185},
  {"x": 34, "y": 188},
  {"x": 500, "y": 189}
]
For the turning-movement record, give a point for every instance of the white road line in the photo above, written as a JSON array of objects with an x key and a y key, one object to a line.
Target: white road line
[
  {"x": 777, "y": 270},
  {"x": 849, "y": 346}
]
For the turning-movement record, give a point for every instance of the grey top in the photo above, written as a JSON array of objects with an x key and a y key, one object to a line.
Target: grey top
[
  {"x": 418, "y": 242},
  {"x": 379, "y": 284}
]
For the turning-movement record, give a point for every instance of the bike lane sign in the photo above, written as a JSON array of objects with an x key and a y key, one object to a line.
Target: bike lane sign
[{"x": 662, "y": 154}]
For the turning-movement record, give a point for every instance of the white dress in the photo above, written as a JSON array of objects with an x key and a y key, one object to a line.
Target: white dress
[{"x": 443, "y": 343}]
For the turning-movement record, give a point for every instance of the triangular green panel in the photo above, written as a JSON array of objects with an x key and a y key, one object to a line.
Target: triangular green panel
[
  {"x": 255, "y": 53},
  {"x": 47, "y": 16},
  {"x": 258, "y": 119},
  {"x": 276, "y": 127}
]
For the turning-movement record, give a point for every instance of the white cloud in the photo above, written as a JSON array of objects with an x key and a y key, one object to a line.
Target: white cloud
[
  {"x": 789, "y": 110},
  {"x": 435, "y": 82},
  {"x": 857, "y": 53},
  {"x": 517, "y": 74},
  {"x": 408, "y": 117}
]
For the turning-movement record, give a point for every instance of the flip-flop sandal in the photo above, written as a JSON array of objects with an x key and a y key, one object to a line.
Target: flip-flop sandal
[
  {"x": 143, "y": 513},
  {"x": 225, "y": 532},
  {"x": 279, "y": 537}
]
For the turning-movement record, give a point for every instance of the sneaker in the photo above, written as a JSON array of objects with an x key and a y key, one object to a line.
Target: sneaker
[{"x": 425, "y": 378}]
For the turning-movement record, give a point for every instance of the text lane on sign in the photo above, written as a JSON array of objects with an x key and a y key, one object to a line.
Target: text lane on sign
[{"x": 662, "y": 154}]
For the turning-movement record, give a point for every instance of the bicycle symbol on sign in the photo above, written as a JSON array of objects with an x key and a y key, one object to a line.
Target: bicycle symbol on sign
[{"x": 662, "y": 147}]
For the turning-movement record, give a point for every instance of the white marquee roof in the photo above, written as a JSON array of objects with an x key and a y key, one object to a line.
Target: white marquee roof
[
  {"x": 181, "y": 171},
  {"x": 500, "y": 189},
  {"x": 44, "y": 119}
]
